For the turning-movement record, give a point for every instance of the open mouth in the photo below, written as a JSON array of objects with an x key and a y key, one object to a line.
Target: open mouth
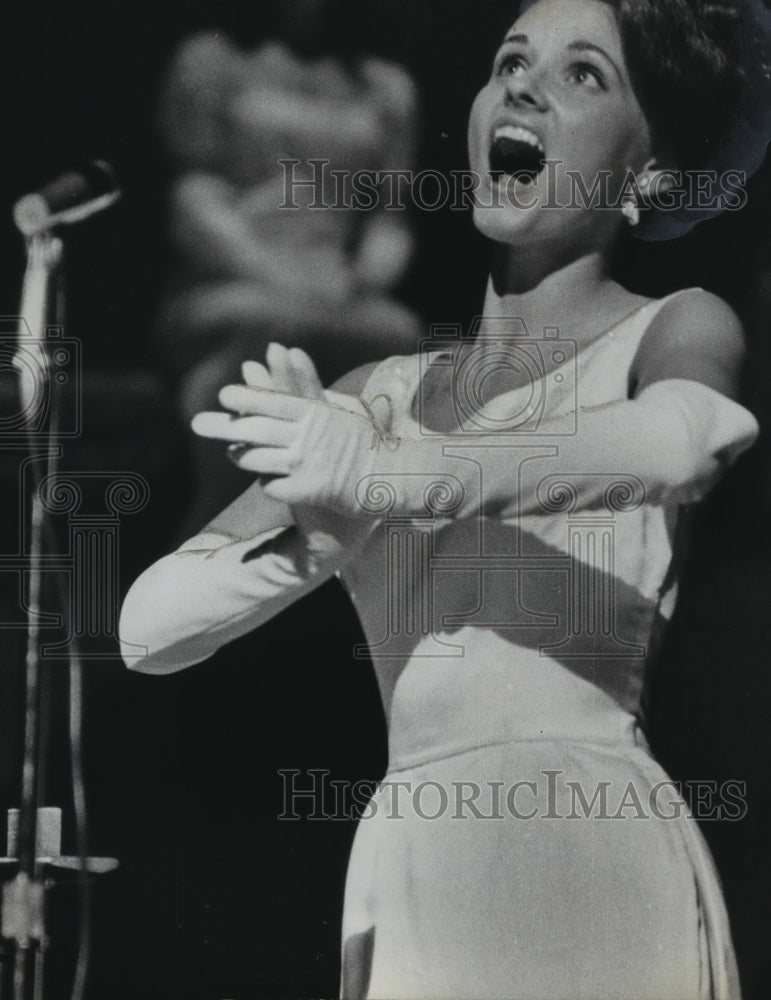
[{"x": 517, "y": 152}]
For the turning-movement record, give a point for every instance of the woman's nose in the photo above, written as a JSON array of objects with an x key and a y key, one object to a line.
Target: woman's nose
[{"x": 525, "y": 91}]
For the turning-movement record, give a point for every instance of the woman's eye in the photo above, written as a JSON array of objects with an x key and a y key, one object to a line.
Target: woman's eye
[
  {"x": 510, "y": 65},
  {"x": 587, "y": 75}
]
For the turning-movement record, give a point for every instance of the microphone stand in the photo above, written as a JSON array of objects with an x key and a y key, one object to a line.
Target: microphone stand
[{"x": 23, "y": 910}]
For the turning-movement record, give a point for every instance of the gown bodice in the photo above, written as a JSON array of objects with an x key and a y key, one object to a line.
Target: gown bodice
[{"x": 487, "y": 629}]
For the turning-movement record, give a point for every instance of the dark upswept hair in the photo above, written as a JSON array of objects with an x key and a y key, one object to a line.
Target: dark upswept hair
[{"x": 685, "y": 62}]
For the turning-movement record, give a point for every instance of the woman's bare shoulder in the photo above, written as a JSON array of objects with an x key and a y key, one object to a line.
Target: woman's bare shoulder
[{"x": 693, "y": 335}]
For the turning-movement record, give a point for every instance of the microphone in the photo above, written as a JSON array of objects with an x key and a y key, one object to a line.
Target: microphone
[{"x": 70, "y": 198}]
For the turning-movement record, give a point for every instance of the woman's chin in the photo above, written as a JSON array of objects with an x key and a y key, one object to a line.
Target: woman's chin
[{"x": 505, "y": 223}]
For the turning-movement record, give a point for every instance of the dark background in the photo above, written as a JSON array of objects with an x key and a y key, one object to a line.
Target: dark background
[{"x": 215, "y": 897}]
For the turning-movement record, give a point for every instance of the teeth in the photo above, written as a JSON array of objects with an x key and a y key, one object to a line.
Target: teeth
[{"x": 520, "y": 134}]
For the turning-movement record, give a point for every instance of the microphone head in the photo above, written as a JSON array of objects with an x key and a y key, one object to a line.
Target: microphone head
[
  {"x": 30, "y": 214},
  {"x": 70, "y": 198}
]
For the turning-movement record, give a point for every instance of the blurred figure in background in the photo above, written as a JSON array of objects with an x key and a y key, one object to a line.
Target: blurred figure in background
[{"x": 251, "y": 268}]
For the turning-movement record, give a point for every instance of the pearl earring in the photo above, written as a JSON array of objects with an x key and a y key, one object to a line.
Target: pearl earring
[{"x": 630, "y": 211}]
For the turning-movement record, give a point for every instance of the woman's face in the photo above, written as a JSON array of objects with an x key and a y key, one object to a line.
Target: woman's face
[{"x": 559, "y": 92}]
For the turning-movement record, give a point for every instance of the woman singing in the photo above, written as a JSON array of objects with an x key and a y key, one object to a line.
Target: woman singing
[{"x": 503, "y": 512}]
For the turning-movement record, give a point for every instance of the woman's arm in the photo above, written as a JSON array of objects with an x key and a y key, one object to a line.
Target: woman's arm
[
  {"x": 674, "y": 437},
  {"x": 212, "y": 590},
  {"x": 676, "y": 434},
  {"x": 674, "y": 441},
  {"x": 255, "y": 559},
  {"x": 682, "y": 425}
]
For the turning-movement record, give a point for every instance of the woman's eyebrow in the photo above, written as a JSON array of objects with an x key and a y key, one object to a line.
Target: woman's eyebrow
[
  {"x": 516, "y": 37},
  {"x": 582, "y": 46}
]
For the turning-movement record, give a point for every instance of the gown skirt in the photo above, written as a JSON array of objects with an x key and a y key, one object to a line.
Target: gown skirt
[{"x": 575, "y": 872}]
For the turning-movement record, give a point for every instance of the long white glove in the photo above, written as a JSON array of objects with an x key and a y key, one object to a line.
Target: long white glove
[
  {"x": 672, "y": 442},
  {"x": 251, "y": 562}
]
